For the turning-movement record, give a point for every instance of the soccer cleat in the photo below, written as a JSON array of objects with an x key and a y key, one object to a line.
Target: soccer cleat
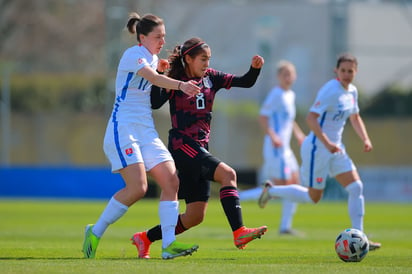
[
  {"x": 142, "y": 244},
  {"x": 244, "y": 235},
  {"x": 374, "y": 245},
  {"x": 176, "y": 249},
  {"x": 90, "y": 243},
  {"x": 265, "y": 196}
]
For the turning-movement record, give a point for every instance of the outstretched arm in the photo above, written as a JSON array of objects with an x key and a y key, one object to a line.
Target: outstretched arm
[
  {"x": 163, "y": 81},
  {"x": 250, "y": 77}
]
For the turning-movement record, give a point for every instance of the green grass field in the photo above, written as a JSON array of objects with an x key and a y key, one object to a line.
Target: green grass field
[{"x": 46, "y": 237}]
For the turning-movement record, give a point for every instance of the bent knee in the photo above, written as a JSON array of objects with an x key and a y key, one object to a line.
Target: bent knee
[
  {"x": 193, "y": 220},
  {"x": 136, "y": 193},
  {"x": 315, "y": 195},
  {"x": 315, "y": 200},
  {"x": 226, "y": 176},
  {"x": 355, "y": 188}
]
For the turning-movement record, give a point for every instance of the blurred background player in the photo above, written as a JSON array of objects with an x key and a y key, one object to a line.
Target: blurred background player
[
  {"x": 277, "y": 118},
  {"x": 131, "y": 142},
  {"x": 189, "y": 143},
  {"x": 323, "y": 152}
]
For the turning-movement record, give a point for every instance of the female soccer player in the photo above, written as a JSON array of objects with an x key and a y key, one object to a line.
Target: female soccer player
[
  {"x": 323, "y": 152},
  {"x": 189, "y": 138},
  {"x": 277, "y": 118},
  {"x": 131, "y": 142}
]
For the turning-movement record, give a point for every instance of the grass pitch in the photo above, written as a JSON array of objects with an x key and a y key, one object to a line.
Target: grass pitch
[{"x": 38, "y": 236}]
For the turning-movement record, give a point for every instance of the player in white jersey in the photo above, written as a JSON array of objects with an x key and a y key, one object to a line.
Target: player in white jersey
[
  {"x": 323, "y": 152},
  {"x": 131, "y": 142},
  {"x": 277, "y": 118}
]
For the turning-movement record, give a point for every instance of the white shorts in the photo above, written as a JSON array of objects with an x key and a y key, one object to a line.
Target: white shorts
[
  {"x": 126, "y": 144},
  {"x": 318, "y": 163},
  {"x": 279, "y": 163}
]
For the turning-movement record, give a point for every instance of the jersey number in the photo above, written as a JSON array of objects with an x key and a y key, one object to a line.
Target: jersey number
[
  {"x": 200, "y": 101},
  {"x": 339, "y": 115}
]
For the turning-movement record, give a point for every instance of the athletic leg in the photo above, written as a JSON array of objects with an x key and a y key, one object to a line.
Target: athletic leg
[
  {"x": 134, "y": 177},
  {"x": 350, "y": 180},
  {"x": 229, "y": 199}
]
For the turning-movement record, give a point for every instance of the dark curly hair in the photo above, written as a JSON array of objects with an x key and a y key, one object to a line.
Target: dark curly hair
[{"x": 192, "y": 47}]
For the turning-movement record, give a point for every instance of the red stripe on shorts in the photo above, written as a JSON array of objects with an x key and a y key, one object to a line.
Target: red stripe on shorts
[{"x": 189, "y": 150}]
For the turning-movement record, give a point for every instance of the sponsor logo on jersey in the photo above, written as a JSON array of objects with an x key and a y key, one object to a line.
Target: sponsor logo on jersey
[
  {"x": 317, "y": 104},
  {"x": 129, "y": 151}
]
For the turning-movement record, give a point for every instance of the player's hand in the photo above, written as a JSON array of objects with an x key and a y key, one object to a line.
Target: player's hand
[
  {"x": 367, "y": 146},
  {"x": 189, "y": 88},
  {"x": 300, "y": 139},
  {"x": 163, "y": 65},
  {"x": 257, "y": 62},
  {"x": 277, "y": 142},
  {"x": 333, "y": 148}
]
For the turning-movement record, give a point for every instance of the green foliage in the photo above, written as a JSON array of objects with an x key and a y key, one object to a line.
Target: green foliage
[
  {"x": 57, "y": 92},
  {"x": 46, "y": 237},
  {"x": 392, "y": 101}
]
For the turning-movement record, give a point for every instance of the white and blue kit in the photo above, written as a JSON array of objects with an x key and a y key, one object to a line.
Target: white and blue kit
[
  {"x": 131, "y": 136},
  {"x": 334, "y": 105},
  {"x": 279, "y": 108}
]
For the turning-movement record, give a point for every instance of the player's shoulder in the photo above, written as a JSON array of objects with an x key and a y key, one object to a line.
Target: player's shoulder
[
  {"x": 332, "y": 84},
  {"x": 211, "y": 72},
  {"x": 137, "y": 51},
  {"x": 330, "y": 87},
  {"x": 275, "y": 91}
]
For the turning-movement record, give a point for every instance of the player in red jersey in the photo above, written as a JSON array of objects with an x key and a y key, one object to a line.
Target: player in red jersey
[{"x": 189, "y": 138}]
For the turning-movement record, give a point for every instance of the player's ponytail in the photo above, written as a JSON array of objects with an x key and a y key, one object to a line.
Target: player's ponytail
[
  {"x": 177, "y": 69},
  {"x": 142, "y": 25},
  {"x": 132, "y": 22}
]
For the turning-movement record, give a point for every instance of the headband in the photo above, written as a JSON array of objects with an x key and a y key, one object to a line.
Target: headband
[{"x": 189, "y": 49}]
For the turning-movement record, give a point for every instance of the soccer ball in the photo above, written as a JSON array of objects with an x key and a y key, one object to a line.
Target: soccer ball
[{"x": 352, "y": 245}]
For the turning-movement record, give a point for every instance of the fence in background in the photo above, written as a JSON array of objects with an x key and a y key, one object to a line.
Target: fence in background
[{"x": 381, "y": 184}]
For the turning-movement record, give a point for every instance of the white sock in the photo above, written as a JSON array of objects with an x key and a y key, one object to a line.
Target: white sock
[
  {"x": 356, "y": 204},
  {"x": 288, "y": 210},
  {"x": 168, "y": 213},
  {"x": 250, "y": 194},
  {"x": 294, "y": 193},
  {"x": 113, "y": 211}
]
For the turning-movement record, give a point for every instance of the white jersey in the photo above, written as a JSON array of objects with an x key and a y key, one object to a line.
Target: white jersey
[
  {"x": 132, "y": 103},
  {"x": 279, "y": 107},
  {"x": 130, "y": 135},
  {"x": 334, "y": 105}
]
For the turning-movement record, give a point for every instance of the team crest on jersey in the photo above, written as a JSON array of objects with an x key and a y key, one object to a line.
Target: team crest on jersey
[
  {"x": 207, "y": 83},
  {"x": 319, "y": 180},
  {"x": 140, "y": 60},
  {"x": 129, "y": 151}
]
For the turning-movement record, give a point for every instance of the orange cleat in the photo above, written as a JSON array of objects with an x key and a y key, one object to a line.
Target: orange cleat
[
  {"x": 142, "y": 244},
  {"x": 244, "y": 235}
]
